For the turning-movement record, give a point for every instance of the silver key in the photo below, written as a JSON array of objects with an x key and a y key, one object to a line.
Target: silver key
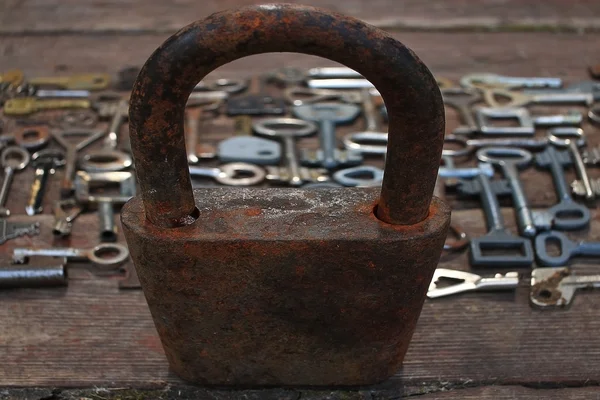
[
  {"x": 462, "y": 100},
  {"x": 508, "y": 82},
  {"x": 591, "y": 156},
  {"x": 105, "y": 255},
  {"x": 355, "y": 176},
  {"x": 556, "y": 287},
  {"x": 13, "y": 159},
  {"x": 578, "y": 188},
  {"x": 232, "y": 174},
  {"x": 526, "y": 122},
  {"x": 372, "y": 124},
  {"x": 470, "y": 282},
  {"x": 520, "y": 99},
  {"x": 11, "y": 230},
  {"x": 332, "y": 72}
]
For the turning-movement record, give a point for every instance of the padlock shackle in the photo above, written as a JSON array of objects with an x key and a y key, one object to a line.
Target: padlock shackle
[{"x": 413, "y": 99}]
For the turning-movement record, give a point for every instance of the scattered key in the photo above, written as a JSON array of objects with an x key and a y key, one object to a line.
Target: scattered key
[{"x": 556, "y": 287}]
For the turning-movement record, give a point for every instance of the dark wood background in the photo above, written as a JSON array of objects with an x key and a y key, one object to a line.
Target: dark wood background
[{"x": 92, "y": 340}]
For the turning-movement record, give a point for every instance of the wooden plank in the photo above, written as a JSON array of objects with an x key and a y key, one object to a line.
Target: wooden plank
[
  {"x": 92, "y": 334},
  {"x": 72, "y": 16}
]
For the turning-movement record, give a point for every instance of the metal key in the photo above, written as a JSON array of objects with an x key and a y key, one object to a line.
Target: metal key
[
  {"x": 556, "y": 287},
  {"x": 526, "y": 123},
  {"x": 299, "y": 96},
  {"x": 105, "y": 255},
  {"x": 497, "y": 238},
  {"x": 568, "y": 249},
  {"x": 232, "y": 174},
  {"x": 65, "y": 213},
  {"x": 469, "y": 282},
  {"x": 11, "y": 230},
  {"x": 460, "y": 238},
  {"x": 508, "y": 82},
  {"x": 358, "y": 83},
  {"x": 462, "y": 101},
  {"x": 29, "y": 105},
  {"x": 510, "y": 160},
  {"x": 520, "y": 99},
  {"x": 288, "y": 129},
  {"x": 560, "y": 137},
  {"x": 360, "y": 176},
  {"x": 328, "y": 115},
  {"x": 38, "y": 272},
  {"x": 88, "y": 136},
  {"x": 566, "y": 214},
  {"x": 80, "y": 81},
  {"x": 372, "y": 125},
  {"x": 591, "y": 87},
  {"x": 45, "y": 163},
  {"x": 13, "y": 159}
]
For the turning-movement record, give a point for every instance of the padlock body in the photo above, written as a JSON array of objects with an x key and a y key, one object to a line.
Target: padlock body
[{"x": 285, "y": 286}]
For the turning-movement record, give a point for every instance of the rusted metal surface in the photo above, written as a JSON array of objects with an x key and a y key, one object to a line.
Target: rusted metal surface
[
  {"x": 285, "y": 286},
  {"x": 168, "y": 77}
]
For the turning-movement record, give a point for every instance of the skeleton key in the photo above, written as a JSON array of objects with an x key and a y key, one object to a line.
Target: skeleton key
[
  {"x": 568, "y": 249},
  {"x": 29, "y": 105},
  {"x": 462, "y": 100},
  {"x": 556, "y": 287},
  {"x": 87, "y": 137},
  {"x": 508, "y": 82},
  {"x": 11, "y": 230},
  {"x": 520, "y": 99},
  {"x": 45, "y": 163},
  {"x": 13, "y": 159},
  {"x": 73, "y": 82},
  {"x": 105, "y": 255},
  {"x": 469, "y": 282},
  {"x": 232, "y": 174},
  {"x": 527, "y": 123}
]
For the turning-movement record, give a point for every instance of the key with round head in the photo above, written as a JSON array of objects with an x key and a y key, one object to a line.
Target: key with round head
[
  {"x": 556, "y": 287},
  {"x": 45, "y": 163},
  {"x": 328, "y": 116},
  {"x": 462, "y": 100},
  {"x": 105, "y": 255},
  {"x": 521, "y": 99},
  {"x": 13, "y": 159},
  {"x": 568, "y": 249}
]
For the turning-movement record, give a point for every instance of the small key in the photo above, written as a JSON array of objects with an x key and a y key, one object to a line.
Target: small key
[
  {"x": 556, "y": 287},
  {"x": 469, "y": 282},
  {"x": 520, "y": 99},
  {"x": 65, "y": 212},
  {"x": 13, "y": 159},
  {"x": 508, "y": 82},
  {"x": 232, "y": 174},
  {"x": 45, "y": 163},
  {"x": 462, "y": 100},
  {"x": 288, "y": 130},
  {"x": 249, "y": 149},
  {"x": 568, "y": 249},
  {"x": 29, "y": 105},
  {"x": 74, "y": 82},
  {"x": 510, "y": 160},
  {"x": 11, "y": 230},
  {"x": 255, "y": 105},
  {"x": 328, "y": 115},
  {"x": 566, "y": 214},
  {"x": 105, "y": 255},
  {"x": 526, "y": 123}
]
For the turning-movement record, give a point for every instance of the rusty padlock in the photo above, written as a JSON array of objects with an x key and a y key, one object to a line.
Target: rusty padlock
[{"x": 285, "y": 286}]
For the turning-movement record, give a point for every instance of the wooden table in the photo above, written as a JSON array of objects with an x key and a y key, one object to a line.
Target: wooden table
[{"x": 92, "y": 340}]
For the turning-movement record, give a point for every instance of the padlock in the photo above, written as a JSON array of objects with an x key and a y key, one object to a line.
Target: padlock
[{"x": 280, "y": 286}]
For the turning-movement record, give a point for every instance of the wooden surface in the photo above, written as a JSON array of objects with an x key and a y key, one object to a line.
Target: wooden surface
[{"x": 100, "y": 339}]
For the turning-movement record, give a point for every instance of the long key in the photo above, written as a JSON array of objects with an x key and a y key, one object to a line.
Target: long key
[
  {"x": 105, "y": 255},
  {"x": 508, "y": 82},
  {"x": 556, "y": 287},
  {"x": 510, "y": 160},
  {"x": 29, "y": 105},
  {"x": 462, "y": 100},
  {"x": 527, "y": 123},
  {"x": 469, "y": 282},
  {"x": 557, "y": 136},
  {"x": 45, "y": 163},
  {"x": 13, "y": 159},
  {"x": 519, "y": 249},
  {"x": 88, "y": 136},
  {"x": 328, "y": 115},
  {"x": 568, "y": 249},
  {"x": 288, "y": 130},
  {"x": 566, "y": 214},
  {"x": 81, "y": 81},
  {"x": 520, "y": 99}
]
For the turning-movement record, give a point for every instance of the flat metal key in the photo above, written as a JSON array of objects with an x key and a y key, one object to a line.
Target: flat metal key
[
  {"x": 556, "y": 287},
  {"x": 104, "y": 255},
  {"x": 484, "y": 249},
  {"x": 372, "y": 123},
  {"x": 86, "y": 137},
  {"x": 73, "y": 82},
  {"x": 526, "y": 122},
  {"x": 13, "y": 159},
  {"x": 29, "y": 105},
  {"x": 45, "y": 163},
  {"x": 520, "y": 99},
  {"x": 510, "y": 160},
  {"x": 469, "y": 282},
  {"x": 232, "y": 174},
  {"x": 328, "y": 115},
  {"x": 462, "y": 100},
  {"x": 568, "y": 249},
  {"x": 566, "y": 214},
  {"x": 11, "y": 230},
  {"x": 508, "y": 82}
]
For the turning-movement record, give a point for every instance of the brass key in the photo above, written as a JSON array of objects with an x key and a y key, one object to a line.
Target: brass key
[
  {"x": 29, "y": 105},
  {"x": 74, "y": 82},
  {"x": 12, "y": 77}
]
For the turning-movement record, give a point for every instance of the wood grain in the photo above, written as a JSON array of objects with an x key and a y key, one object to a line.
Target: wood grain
[{"x": 76, "y": 17}]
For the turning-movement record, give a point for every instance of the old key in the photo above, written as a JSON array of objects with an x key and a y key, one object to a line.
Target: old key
[
  {"x": 73, "y": 82},
  {"x": 556, "y": 287},
  {"x": 45, "y": 163},
  {"x": 13, "y": 159},
  {"x": 29, "y": 105}
]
